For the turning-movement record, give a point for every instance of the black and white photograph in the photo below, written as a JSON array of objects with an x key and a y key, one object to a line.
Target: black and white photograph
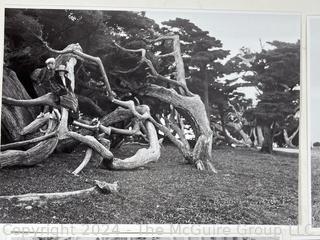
[
  {"x": 314, "y": 115},
  {"x": 150, "y": 117}
]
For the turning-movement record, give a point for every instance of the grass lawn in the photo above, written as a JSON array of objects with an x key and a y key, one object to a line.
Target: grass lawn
[
  {"x": 315, "y": 163},
  {"x": 249, "y": 188}
]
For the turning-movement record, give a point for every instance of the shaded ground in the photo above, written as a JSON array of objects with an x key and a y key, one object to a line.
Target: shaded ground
[
  {"x": 315, "y": 166},
  {"x": 250, "y": 188}
]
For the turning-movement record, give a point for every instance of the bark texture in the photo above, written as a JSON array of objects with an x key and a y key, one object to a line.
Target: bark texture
[
  {"x": 14, "y": 118},
  {"x": 143, "y": 155},
  {"x": 267, "y": 145},
  {"x": 193, "y": 109},
  {"x": 42, "y": 198},
  {"x": 32, "y": 156}
]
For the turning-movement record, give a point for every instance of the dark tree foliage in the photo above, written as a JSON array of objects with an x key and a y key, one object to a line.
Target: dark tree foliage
[
  {"x": 95, "y": 31},
  {"x": 276, "y": 73},
  {"x": 202, "y": 55}
]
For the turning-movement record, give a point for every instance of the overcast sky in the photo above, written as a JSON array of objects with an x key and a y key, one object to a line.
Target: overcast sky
[
  {"x": 239, "y": 29},
  {"x": 314, "y": 50}
]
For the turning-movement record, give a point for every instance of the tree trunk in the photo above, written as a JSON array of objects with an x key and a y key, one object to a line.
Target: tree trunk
[
  {"x": 267, "y": 145},
  {"x": 206, "y": 92},
  {"x": 260, "y": 136},
  {"x": 193, "y": 109},
  {"x": 255, "y": 137},
  {"x": 14, "y": 118},
  {"x": 188, "y": 105},
  {"x": 32, "y": 156}
]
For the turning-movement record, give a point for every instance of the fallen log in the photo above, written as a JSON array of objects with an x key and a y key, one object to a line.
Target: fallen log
[{"x": 41, "y": 198}]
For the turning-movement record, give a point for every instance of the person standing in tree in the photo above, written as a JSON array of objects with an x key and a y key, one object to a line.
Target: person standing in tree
[
  {"x": 41, "y": 77},
  {"x": 60, "y": 85}
]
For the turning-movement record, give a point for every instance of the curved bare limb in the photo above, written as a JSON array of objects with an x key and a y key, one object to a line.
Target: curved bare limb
[
  {"x": 41, "y": 120},
  {"x": 47, "y": 99},
  {"x": 143, "y": 155},
  {"x": 92, "y": 143},
  {"x": 27, "y": 142},
  {"x": 90, "y": 58},
  {"x": 85, "y": 161},
  {"x": 190, "y": 104},
  {"x": 154, "y": 72},
  {"x": 181, "y": 76},
  {"x": 111, "y": 130}
]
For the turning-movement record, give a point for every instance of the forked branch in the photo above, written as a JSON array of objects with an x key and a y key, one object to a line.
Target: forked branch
[{"x": 154, "y": 72}]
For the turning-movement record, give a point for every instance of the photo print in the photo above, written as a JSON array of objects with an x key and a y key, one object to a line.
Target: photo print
[
  {"x": 132, "y": 117},
  {"x": 314, "y": 99}
]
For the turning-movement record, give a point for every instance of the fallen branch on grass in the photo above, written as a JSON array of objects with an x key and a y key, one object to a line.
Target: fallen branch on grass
[{"x": 40, "y": 198}]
